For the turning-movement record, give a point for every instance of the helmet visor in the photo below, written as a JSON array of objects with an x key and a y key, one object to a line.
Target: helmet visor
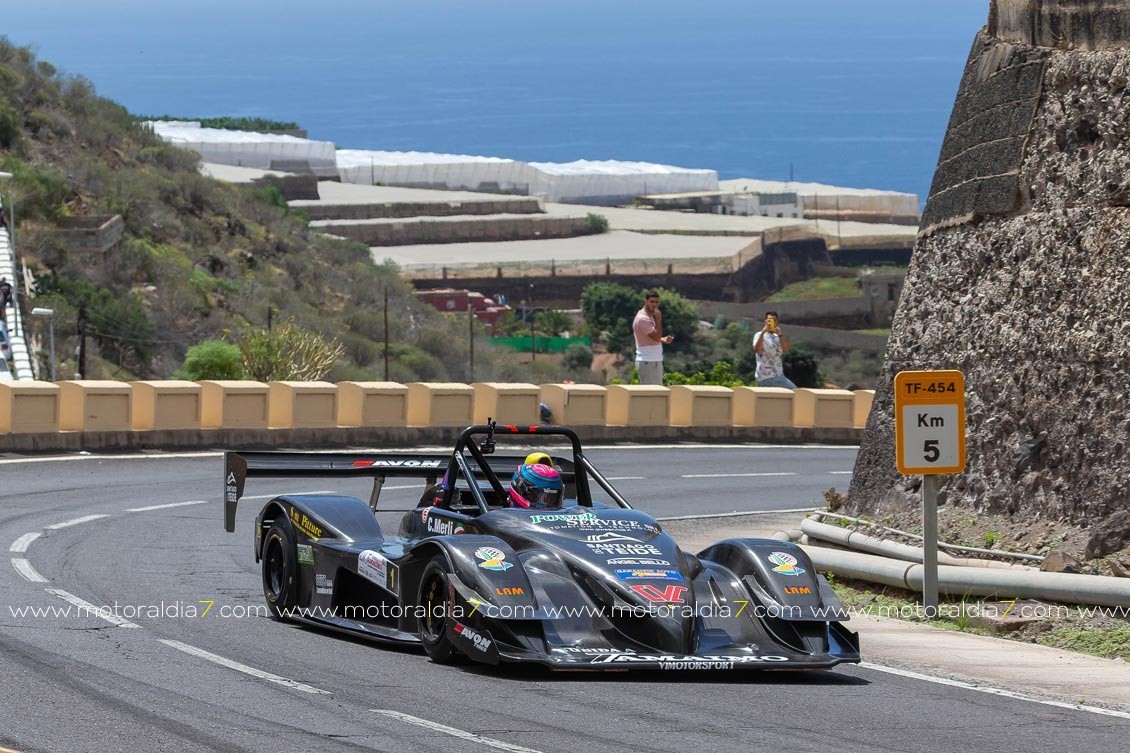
[{"x": 543, "y": 499}]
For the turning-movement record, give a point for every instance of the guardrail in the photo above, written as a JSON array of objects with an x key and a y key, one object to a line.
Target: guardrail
[
  {"x": 36, "y": 415},
  {"x": 14, "y": 320}
]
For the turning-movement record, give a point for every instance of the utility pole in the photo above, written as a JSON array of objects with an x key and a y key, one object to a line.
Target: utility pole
[
  {"x": 839, "y": 238},
  {"x": 82, "y": 340},
  {"x": 471, "y": 339},
  {"x": 386, "y": 335},
  {"x": 533, "y": 340}
]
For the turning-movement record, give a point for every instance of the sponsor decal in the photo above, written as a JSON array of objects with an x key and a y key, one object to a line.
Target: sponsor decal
[
  {"x": 785, "y": 564},
  {"x": 590, "y": 521},
  {"x": 665, "y": 595},
  {"x": 323, "y": 584},
  {"x": 687, "y": 662},
  {"x": 617, "y": 543},
  {"x": 593, "y": 651},
  {"x": 398, "y": 463},
  {"x": 305, "y": 554},
  {"x": 604, "y": 538},
  {"x": 231, "y": 490},
  {"x": 624, "y": 549},
  {"x": 510, "y": 591},
  {"x": 648, "y": 574},
  {"x": 492, "y": 558},
  {"x": 443, "y": 526},
  {"x": 638, "y": 561},
  {"x": 375, "y": 567},
  {"x": 303, "y": 523},
  {"x": 797, "y": 590},
  {"x": 480, "y": 641}
]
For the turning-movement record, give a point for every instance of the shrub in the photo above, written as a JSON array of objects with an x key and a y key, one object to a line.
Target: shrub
[
  {"x": 609, "y": 309},
  {"x": 577, "y": 357},
  {"x": 211, "y": 359},
  {"x": 802, "y": 367},
  {"x": 287, "y": 353},
  {"x": 595, "y": 224}
]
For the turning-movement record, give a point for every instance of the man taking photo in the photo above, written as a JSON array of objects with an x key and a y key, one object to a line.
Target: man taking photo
[
  {"x": 648, "y": 330},
  {"x": 770, "y": 344}
]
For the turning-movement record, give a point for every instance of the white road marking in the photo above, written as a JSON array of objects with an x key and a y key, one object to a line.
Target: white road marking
[
  {"x": 171, "y": 504},
  {"x": 316, "y": 491},
  {"x": 841, "y": 473},
  {"x": 90, "y": 609},
  {"x": 74, "y": 522},
  {"x": 625, "y": 478},
  {"x": 24, "y": 568},
  {"x": 708, "y": 446},
  {"x": 23, "y": 542},
  {"x": 454, "y": 732},
  {"x": 735, "y": 475},
  {"x": 735, "y": 514},
  {"x": 444, "y": 449},
  {"x": 62, "y": 458},
  {"x": 230, "y": 664},
  {"x": 993, "y": 691}
]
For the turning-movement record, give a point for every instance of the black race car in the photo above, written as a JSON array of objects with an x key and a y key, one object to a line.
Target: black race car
[{"x": 592, "y": 585}]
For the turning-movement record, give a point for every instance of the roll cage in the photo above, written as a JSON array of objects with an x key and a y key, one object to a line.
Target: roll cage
[{"x": 576, "y": 471}]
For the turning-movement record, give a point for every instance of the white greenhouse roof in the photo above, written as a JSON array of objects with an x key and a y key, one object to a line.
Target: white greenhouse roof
[
  {"x": 611, "y": 167},
  {"x": 190, "y": 132},
  {"x": 754, "y": 185},
  {"x": 367, "y": 157}
]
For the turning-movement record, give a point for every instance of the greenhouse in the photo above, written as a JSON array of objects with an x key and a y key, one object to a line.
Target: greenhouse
[
  {"x": 266, "y": 151},
  {"x": 583, "y": 181},
  {"x": 455, "y": 172}
]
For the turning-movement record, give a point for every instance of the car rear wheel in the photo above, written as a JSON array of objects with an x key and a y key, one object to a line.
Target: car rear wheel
[
  {"x": 280, "y": 569},
  {"x": 435, "y": 589}
]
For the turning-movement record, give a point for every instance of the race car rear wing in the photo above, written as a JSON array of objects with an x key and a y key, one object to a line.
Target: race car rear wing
[{"x": 376, "y": 465}]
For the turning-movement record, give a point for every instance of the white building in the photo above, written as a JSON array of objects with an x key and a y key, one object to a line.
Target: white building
[
  {"x": 821, "y": 201},
  {"x": 757, "y": 204}
]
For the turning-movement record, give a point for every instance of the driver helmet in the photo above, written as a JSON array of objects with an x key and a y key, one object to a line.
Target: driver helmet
[
  {"x": 537, "y": 486},
  {"x": 538, "y": 457}
]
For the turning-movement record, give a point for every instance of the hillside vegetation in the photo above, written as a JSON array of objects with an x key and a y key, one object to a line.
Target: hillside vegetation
[{"x": 200, "y": 259}]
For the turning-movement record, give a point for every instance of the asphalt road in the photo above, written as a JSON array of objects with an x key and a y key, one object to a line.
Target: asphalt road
[{"x": 80, "y": 683}]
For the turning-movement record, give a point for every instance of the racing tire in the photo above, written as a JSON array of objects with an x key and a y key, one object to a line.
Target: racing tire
[
  {"x": 280, "y": 569},
  {"x": 435, "y": 587}
]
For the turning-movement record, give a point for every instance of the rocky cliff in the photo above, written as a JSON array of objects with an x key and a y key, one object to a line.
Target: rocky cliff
[{"x": 1021, "y": 276}]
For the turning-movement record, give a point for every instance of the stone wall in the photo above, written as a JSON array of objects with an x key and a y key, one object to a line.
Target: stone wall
[{"x": 1026, "y": 289}]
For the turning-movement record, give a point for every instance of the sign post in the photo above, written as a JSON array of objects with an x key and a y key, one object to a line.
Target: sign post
[{"x": 930, "y": 440}]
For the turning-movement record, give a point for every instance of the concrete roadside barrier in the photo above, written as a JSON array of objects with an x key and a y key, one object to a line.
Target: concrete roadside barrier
[
  {"x": 638, "y": 405},
  {"x": 762, "y": 406},
  {"x": 29, "y": 406},
  {"x": 576, "y": 404},
  {"x": 701, "y": 405},
  {"x": 165, "y": 404},
  {"x": 302, "y": 405},
  {"x": 372, "y": 404},
  {"x": 861, "y": 407},
  {"x": 440, "y": 404},
  {"x": 506, "y": 403},
  {"x": 229, "y": 404},
  {"x": 824, "y": 408},
  {"x": 94, "y": 405}
]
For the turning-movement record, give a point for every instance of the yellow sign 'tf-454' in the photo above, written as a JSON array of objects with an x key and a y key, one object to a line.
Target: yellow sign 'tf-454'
[{"x": 930, "y": 422}]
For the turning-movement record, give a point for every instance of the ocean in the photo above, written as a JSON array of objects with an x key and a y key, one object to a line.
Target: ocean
[{"x": 849, "y": 93}]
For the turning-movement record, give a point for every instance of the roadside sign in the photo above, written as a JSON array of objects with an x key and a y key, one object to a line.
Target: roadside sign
[{"x": 930, "y": 422}]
